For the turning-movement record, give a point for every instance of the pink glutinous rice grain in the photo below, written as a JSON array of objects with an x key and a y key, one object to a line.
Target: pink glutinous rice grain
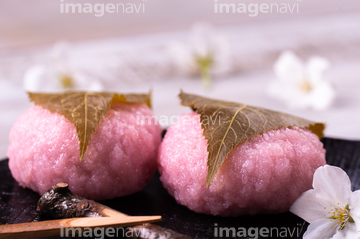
[
  {"x": 120, "y": 158},
  {"x": 263, "y": 175}
]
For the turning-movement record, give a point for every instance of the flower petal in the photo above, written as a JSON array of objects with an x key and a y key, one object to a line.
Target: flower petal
[
  {"x": 349, "y": 232},
  {"x": 321, "y": 228},
  {"x": 60, "y": 57},
  {"x": 308, "y": 207},
  {"x": 289, "y": 67},
  {"x": 322, "y": 95},
  {"x": 352, "y": 232},
  {"x": 182, "y": 57},
  {"x": 85, "y": 82},
  {"x": 340, "y": 235},
  {"x": 34, "y": 78},
  {"x": 332, "y": 185},
  {"x": 354, "y": 205},
  {"x": 221, "y": 56},
  {"x": 40, "y": 78},
  {"x": 282, "y": 90},
  {"x": 315, "y": 67},
  {"x": 201, "y": 39}
]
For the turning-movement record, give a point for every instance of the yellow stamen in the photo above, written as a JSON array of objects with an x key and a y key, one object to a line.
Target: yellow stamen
[
  {"x": 341, "y": 215},
  {"x": 205, "y": 63},
  {"x": 305, "y": 86},
  {"x": 66, "y": 81}
]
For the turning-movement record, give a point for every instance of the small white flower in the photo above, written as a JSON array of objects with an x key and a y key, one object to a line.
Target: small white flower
[
  {"x": 59, "y": 75},
  {"x": 332, "y": 210},
  {"x": 301, "y": 85},
  {"x": 206, "y": 52}
]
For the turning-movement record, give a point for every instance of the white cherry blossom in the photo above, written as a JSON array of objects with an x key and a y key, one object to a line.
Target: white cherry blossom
[
  {"x": 301, "y": 85},
  {"x": 206, "y": 52},
  {"x": 331, "y": 208},
  {"x": 59, "y": 74}
]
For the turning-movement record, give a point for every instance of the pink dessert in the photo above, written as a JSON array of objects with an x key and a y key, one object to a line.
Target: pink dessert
[
  {"x": 263, "y": 175},
  {"x": 120, "y": 159}
]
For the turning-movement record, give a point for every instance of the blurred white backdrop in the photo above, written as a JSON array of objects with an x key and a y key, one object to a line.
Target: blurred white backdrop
[{"x": 128, "y": 53}]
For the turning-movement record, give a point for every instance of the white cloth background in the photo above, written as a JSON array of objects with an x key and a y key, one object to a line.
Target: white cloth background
[{"x": 137, "y": 63}]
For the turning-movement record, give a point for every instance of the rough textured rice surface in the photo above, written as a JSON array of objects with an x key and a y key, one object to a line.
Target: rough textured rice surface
[
  {"x": 120, "y": 159},
  {"x": 264, "y": 175}
]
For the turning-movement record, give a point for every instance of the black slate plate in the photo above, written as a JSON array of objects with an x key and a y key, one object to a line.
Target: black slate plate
[{"x": 18, "y": 204}]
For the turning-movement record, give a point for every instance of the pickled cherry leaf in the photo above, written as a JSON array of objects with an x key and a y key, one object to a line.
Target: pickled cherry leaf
[
  {"x": 85, "y": 109},
  {"x": 226, "y": 125}
]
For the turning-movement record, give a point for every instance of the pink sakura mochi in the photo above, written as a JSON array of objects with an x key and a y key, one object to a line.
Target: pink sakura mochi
[
  {"x": 120, "y": 158},
  {"x": 263, "y": 175}
]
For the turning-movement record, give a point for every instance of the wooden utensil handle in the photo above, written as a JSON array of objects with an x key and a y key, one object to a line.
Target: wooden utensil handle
[
  {"x": 53, "y": 227},
  {"x": 60, "y": 202}
]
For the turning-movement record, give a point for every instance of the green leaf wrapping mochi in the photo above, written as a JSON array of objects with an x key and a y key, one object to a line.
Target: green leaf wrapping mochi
[
  {"x": 232, "y": 159},
  {"x": 92, "y": 141}
]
